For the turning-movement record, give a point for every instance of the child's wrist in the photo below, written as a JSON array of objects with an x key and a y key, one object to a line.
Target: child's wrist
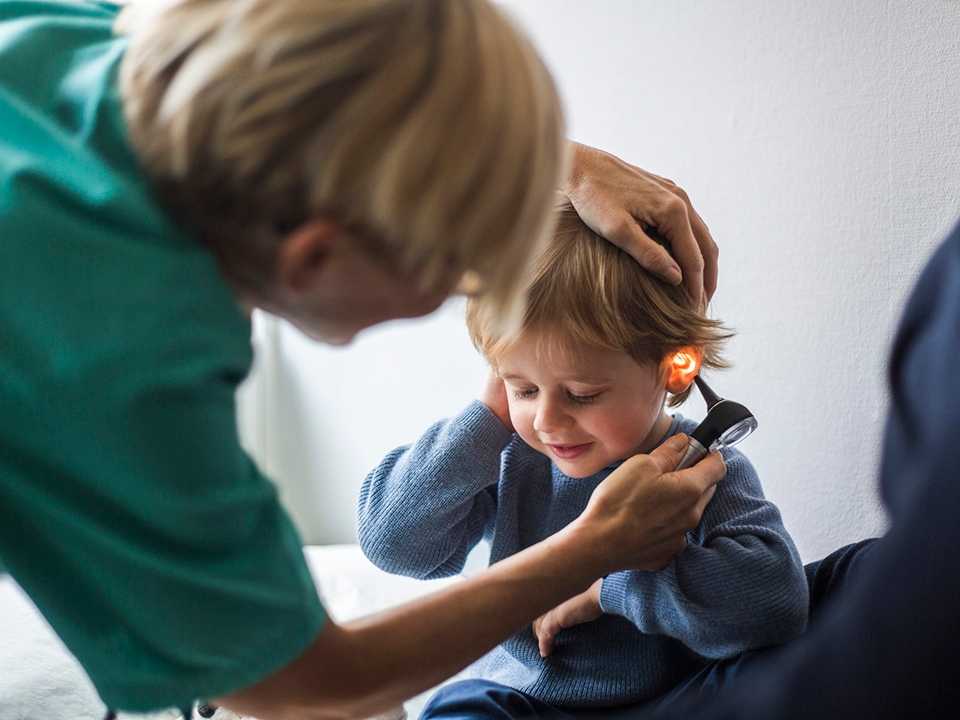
[{"x": 504, "y": 418}]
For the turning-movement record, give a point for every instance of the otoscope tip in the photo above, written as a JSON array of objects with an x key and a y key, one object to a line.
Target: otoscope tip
[{"x": 709, "y": 396}]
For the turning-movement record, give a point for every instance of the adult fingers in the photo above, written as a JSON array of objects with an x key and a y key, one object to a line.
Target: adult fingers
[
  {"x": 545, "y": 632},
  {"x": 703, "y": 284},
  {"x": 670, "y": 452},
  {"x": 658, "y": 555},
  {"x": 673, "y": 224},
  {"x": 705, "y": 474},
  {"x": 628, "y": 235},
  {"x": 705, "y": 499},
  {"x": 710, "y": 252}
]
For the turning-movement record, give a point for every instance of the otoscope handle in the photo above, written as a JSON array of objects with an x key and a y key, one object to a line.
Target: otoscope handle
[{"x": 695, "y": 451}]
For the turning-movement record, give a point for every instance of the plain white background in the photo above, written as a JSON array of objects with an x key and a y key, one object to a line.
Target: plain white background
[{"x": 820, "y": 142}]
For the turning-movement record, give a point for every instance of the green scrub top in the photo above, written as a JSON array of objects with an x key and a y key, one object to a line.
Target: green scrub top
[{"x": 128, "y": 511}]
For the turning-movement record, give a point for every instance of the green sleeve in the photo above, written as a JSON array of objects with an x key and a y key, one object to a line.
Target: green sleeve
[{"x": 149, "y": 540}]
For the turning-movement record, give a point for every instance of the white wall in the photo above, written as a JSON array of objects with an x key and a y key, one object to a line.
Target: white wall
[{"x": 820, "y": 140}]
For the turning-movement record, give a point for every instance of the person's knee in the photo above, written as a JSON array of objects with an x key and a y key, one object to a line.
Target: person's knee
[{"x": 829, "y": 577}]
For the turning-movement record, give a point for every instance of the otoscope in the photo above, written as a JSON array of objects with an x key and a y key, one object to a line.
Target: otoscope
[{"x": 727, "y": 423}]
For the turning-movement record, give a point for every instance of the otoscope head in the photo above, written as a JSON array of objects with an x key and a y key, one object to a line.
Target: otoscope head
[{"x": 727, "y": 422}]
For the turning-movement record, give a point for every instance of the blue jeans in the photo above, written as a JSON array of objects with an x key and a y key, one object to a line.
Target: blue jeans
[{"x": 485, "y": 700}]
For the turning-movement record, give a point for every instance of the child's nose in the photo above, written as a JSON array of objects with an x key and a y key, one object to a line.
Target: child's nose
[{"x": 549, "y": 417}]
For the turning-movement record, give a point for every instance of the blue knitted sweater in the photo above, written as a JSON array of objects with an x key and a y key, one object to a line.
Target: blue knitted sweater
[{"x": 738, "y": 585}]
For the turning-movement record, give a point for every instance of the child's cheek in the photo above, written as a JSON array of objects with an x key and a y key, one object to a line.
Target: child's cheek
[
  {"x": 606, "y": 430},
  {"x": 513, "y": 410},
  {"x": 522, "y": 420}
]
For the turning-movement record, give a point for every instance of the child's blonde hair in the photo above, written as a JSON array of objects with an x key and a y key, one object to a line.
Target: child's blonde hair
[
  {"x": 585, "y": 290},
  {"x": 431, "y": 125}
]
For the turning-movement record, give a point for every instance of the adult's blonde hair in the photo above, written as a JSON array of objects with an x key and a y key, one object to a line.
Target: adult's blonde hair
[
  {"x": 586, "y": 291},
  {"x": 429, "y": 125}
]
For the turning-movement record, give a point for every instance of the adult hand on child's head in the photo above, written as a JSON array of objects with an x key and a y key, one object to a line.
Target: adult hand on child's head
[
  {"x": 582, "y": 608},
  {"x": 618, "y": 200},
  {"x": 494, "y": 396},
  {"x": 640, "y": 513}
]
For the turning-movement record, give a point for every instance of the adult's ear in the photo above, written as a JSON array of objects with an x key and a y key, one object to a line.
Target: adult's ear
[
  {"x": 681, "y": 367},
  {"x": 304, "y": 253}
]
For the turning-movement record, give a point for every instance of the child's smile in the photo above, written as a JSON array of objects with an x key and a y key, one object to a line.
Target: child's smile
[{"x": 569, "y": 452}]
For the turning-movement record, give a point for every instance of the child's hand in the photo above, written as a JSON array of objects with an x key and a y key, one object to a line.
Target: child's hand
[
  {"x": 579, "y": 609},
  {"x": 494, "y": 396}
]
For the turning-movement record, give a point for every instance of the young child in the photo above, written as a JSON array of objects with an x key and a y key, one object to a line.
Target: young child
[{"x": 578, "y": 388}]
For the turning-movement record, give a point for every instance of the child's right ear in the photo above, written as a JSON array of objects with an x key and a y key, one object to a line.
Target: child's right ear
[{"x": 681, "y": 367}]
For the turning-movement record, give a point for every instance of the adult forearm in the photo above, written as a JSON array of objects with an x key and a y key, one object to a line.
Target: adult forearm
[
  {"x": 372, "y": 664},
  {"x": 443, "y": 633}
]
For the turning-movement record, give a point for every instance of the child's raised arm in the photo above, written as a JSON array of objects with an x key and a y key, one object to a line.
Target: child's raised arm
[{"x": 426, "y": 506}]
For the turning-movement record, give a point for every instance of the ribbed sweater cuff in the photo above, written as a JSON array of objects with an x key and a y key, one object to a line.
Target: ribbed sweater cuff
[{"x": 613, "y": 594}]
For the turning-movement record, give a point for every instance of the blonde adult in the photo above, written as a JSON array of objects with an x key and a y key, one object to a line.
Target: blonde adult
[{"x": 166, "y": 168}]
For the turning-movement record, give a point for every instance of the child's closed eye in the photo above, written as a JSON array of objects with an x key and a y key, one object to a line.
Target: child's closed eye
[
  {"x": 584, "y": 399},
  {"x": 576, "y": 398}
]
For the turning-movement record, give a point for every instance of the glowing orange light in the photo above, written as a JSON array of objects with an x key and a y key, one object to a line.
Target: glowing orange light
[{"x": 686, "y": 364}]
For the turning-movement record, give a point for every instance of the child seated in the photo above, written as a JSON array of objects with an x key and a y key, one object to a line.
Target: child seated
[{"x": 579, "y": 387}]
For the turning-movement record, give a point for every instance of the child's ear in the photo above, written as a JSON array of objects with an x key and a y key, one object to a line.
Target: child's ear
[{"x": 681, "y": 367}]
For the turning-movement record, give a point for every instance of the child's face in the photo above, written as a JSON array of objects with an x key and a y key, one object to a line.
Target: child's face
[{"x": 582, "y": 407}]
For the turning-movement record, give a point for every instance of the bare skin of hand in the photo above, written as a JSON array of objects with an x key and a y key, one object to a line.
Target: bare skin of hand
[
  {"x": 494, "y": 396},
  {"x": 620, "y": 201},
  {"x": 646, "y": 497},
  {"x": 582, "y": 608}
]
